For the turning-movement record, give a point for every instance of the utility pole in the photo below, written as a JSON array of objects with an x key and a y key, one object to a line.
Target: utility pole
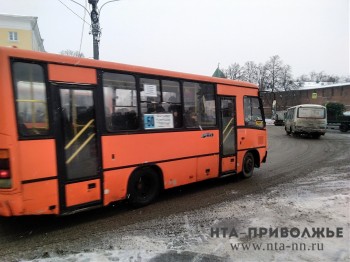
[{"x": 95, "y": 28}]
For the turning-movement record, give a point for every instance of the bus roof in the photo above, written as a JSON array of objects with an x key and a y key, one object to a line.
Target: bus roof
[
  {"x": 85, "y": 62},
  {"x": 307, "y": 105}
]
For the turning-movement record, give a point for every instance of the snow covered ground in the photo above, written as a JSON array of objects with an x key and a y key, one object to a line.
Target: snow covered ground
[
  {"x": 315, "y": 203},
  {"x": 269, "y": 122}
]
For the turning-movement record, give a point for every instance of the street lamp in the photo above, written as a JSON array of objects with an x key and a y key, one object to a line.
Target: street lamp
[
  {"x": 94, "y": 16},
  {"x": 93, "y": 2},
  {"x": 95, "y": 25},
  {"x": 95, "y": 28}
]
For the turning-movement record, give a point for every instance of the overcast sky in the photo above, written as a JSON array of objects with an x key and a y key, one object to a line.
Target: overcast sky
[{"x": 193, "y": 36}]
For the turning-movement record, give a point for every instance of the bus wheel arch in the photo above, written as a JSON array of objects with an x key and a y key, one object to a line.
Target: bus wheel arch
[
  {"x": 144, "y": 185},
  {"x": 251, "y": 159}
]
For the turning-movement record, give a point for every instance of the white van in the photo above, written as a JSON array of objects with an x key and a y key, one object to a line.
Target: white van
[{"x": 306, "y": 119}]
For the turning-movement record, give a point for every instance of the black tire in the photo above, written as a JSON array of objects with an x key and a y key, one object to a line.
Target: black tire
[
  {"x": 287, "y": 132},
  {"x": 315, "y": 136},
  {"x": 343, "y": 128},
  {"x": 248, "y": 165},
  {"x": 143, "y": 187}
]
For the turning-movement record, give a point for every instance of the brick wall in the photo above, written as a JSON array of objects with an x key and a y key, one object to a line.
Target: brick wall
[{"x": 320, "y": 96}]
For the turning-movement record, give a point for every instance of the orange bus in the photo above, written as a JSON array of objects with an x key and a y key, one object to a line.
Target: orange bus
[{"x": 77, "y": 133}]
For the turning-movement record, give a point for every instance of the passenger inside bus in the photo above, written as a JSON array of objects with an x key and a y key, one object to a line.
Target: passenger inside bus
[
  {"x": 177, "y": 116},
  {"x": 191, "y": 118}
]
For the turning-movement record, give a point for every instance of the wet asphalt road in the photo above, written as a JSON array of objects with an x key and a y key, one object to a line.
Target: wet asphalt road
[{"x": 288, "y": 158}]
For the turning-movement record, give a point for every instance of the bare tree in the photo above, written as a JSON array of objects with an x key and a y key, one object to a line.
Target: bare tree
[
  {"x": 234, "y": 71},
  {"x": 250, "y": 72},
  {"x": 274, "y": 68},
  {"x": 303, "y": 78},
  {"x": 320, "y": 77},
  {"x": 286, "y": 79},
  {"x": 313, "y": 76},
  {"x": 71, "y": 53},
  {"x": 262, "y": 77},
  {"x": 332, "y": 78}
]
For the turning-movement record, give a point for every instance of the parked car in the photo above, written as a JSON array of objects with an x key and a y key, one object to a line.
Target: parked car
[{"x": 279, "y": 118}]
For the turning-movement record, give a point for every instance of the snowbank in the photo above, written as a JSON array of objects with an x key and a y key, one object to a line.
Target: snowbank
[{"x": 317, "y": 203}]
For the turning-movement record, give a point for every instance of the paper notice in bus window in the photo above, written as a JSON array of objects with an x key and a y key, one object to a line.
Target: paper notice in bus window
[
  {"x": 259, "y": 123},
  {"x": 150, "y": 90},
  {"x": 157, "y": 121}
]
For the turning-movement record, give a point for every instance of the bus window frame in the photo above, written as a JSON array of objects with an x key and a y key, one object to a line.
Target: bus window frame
[
  {"x": 217, "y": 110},
  {"x": 261, "y": 111},
  {"x": 100, "y": 93},
  {"x": 48, "y": 91},
  {"x": 141, "y": 129}
]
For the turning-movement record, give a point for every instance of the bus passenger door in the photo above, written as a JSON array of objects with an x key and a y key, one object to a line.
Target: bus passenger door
[
  {"x": 227, "y": 135},
  {"x": 77, "y": 148}
]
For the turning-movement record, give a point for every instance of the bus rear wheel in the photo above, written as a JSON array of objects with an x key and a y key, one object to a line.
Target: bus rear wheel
[
  {"x": 248, "y": 165},
  {"x": 143, "y": 187}
]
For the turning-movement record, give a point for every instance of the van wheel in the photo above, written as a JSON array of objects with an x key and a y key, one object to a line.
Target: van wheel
[
  {"x": 343, "y": 128},
  {"x": 143, "y": 187},
  {"x": 248, "y": 165},
  {"x": 287, "y": 132},
  {"x": 316, "y": 136}
]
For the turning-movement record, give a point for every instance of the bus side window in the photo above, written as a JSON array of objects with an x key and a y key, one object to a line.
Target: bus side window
[
  {"x": 31, "y": 99},
  {"x": 171, "y": 98},
  {"x": 252, "y": 112},
  {"x": 199, "y": 101},
  {"x": 120, "y": 102}
]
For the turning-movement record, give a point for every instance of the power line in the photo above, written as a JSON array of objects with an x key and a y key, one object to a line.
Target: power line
[
  {"x": 82, "y": 30},
  {"x": 95, "y": 25},
  {"x": 80, "y": 5},
  {"x": 73, "y": 12},
  {"x": 106, "y": 3}
]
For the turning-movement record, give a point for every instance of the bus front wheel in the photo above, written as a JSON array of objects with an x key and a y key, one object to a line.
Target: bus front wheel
[
  {"x": 248, "y": 165},
  {"x": 143, "y": 187}
]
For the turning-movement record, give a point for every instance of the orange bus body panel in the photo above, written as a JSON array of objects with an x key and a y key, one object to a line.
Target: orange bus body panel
[
  {"x": 38, "y": 159},
  {"x": 177, "y": 173},
  {"x": 79, "y": 193},
  {"x": 124, "y": 150},
  {"x": 228, "y": 164},
  {"x": 11, "y": 205},
  {"x": 116, "y": 184},
  {"x": 72, "y": 74},
  {"x": 207, "y": 167},
  {"x": 248, "y": 139},
  {"x": 41, "y": 198},
  {"x": 236, "y": 90}
]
